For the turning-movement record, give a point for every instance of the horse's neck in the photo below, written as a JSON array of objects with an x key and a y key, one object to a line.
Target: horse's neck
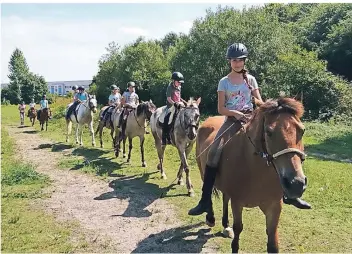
[{"x": 140, "y": 119}]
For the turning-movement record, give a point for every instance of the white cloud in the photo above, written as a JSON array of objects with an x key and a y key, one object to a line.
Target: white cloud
[{"x": 63, "y": 49}]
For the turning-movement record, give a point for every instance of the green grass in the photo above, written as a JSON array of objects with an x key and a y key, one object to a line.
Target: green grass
[
  {"x": 25, "y": 228},
  {"x": 325, "y": 228}
]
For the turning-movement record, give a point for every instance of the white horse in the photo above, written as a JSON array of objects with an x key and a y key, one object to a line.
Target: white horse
[
  {"x": 115, "y": 114},
  {"x": 183, "y": 136},
  {"x": 135, "y": 127},
  {"x": 84, "y": 113}
]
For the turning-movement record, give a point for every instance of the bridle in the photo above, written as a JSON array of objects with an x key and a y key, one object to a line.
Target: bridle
[{"x": 270, "y": 158}]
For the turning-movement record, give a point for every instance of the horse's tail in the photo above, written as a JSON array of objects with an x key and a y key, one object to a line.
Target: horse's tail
[{"x": 69, "y": 126}]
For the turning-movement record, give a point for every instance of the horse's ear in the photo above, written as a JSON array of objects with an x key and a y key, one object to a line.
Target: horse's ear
[
  {"x": 150, "y": 101},
  {"x": 142, "y": 101},
  {"x": 199, "y": 100},
  {"x": 299, "y": 96}
]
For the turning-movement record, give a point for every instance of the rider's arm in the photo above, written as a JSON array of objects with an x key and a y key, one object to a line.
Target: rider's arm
[
  {"x": 168, "y": 95},
  {"x": 223, "y": 110},
  {"x": 255, "y": 91}
]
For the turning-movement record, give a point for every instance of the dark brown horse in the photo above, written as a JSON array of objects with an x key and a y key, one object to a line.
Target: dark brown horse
[
  {"x": 262, "y": 161},
  {"x": 32, "y": 114},
  {"x": 44, "y": 117}
]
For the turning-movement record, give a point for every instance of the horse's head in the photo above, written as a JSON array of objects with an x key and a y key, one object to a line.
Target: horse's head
[
  {"x": 278, "y": 136},
  {"x": 146, "y": 107},
  {"x": 92, "y": 103},
  {"x": 191, "y": 118}
]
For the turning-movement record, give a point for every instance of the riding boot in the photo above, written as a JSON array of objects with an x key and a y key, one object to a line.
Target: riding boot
[
  {"x": 120, "y": 119},
  {"x": 165, "y": 135},
  {"x": 205, "y": 204},
  {"x": 297, "y": 202},
  {"x": 38, "y": 114}
]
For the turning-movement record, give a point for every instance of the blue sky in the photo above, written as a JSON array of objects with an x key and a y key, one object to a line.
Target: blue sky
[{"x": 65, "y": 41}]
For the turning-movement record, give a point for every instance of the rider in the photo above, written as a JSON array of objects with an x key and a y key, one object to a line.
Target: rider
[
  {"x": 234, "y": 101},
  {"x": 22, "y": 108},
  {"x": 130, "y": 100},
  {"x": 31, "y": 107},
  {"x": 173, "y": 99},
  {"x": 78, "y": 98},
  {"x": 43, "y": 105},
  {"x": 75, "y": 90},
  {"x": 114, "y": 101}
]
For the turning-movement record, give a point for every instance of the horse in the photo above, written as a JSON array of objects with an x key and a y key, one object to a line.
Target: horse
[
  {"x": 44, "y": 117},
  {"x": 32, "y": 115},
  {"x": 183, "y": 136},
  {"x": 84, "y": 113},
  {"x": 114, "y": 115},
  {"x": 135, "y": 127},
  {"x": 259, "y": 164}
]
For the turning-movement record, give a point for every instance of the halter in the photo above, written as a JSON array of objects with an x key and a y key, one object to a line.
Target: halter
[
  {"x": 271, "y": 157},
  {"x": 187, "y": 126}
]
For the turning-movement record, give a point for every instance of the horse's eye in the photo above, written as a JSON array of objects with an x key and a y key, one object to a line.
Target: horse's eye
[{"x": 269, "y": 131}]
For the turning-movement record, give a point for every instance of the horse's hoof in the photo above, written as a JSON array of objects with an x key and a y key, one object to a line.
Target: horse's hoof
[
  {"x": 210, "y": 222},
  {"x": 158, "y": 167},
  {"x": 128, "y": 161},
  {"x": 228, "y": 233},
  {"x": 181, "y": 182},
  {"x": 124, "y": 156},
  {"x": 116, "y": 154},
  {"x": 77, "y": 142},
  {"x": 191, "y": 193},
  {"x": 93, "y": 144},
  {"x": 144, "y": 164},
  {"x": 164, "y": 177}
]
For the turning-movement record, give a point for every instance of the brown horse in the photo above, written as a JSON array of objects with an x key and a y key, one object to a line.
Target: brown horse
[
  {"x": 260, "y": 163},
  {"x": 32, "y": 114},
  {"x": 44, "y": 117}
]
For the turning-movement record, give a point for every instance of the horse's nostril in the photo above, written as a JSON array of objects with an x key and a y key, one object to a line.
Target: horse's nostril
[{"x": 286, "y": 183}]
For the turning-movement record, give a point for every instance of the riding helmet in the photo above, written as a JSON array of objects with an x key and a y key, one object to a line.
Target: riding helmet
[
  {"x": 178, "y": 77},
  {"x": 131, "y": 83},
  {"x": 236, "y": 50}
]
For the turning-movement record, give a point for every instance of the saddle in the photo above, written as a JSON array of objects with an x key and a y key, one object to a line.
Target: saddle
[{"x": 173, "y": 111}]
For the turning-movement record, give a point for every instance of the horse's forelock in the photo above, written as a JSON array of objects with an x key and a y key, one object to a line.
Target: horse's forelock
[{"x": 282, "y": 105}]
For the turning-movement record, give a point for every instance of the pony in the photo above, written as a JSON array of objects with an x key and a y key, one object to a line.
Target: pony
[
  {"x": 32, "y": 115},
  {"x": 183, "y": 135},
  {"x": 259, "y": 164},
  {"x": 84, "y": 113},
  {"x": 114, "y": 115},
  {"x": 135, "y": 127},
  {"x": 44, "y": 117}
]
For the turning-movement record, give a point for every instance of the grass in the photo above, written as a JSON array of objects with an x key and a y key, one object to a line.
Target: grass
[
  {"x": 24, "y": 227},
  {"x": 325, "y": 228}
]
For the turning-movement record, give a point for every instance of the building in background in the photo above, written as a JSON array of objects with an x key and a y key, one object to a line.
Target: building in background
[{"x": 62, "y": 87}]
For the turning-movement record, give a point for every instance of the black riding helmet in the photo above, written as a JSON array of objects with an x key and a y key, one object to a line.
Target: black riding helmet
[
  {"x": 236, "y": 50},
  {"x": 81, "y": 88},
  {"x": 74, "y": 88},
  {"x": 178, "y": 77}
]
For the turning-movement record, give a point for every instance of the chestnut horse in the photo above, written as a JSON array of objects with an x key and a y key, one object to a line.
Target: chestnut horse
[
  {"x": 32, "y": 115},
  {"x": 260, "y": 163},
  {"x": 44, "y": 117}
]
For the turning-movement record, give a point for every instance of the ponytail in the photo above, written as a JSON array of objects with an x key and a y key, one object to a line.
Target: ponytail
[{"x": 245, "y": 77}]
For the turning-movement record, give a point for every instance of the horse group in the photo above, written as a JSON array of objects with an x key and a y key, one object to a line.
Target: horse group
[
  {"x": 43, "y": 119},
  {"x": 259, "y": 164}
]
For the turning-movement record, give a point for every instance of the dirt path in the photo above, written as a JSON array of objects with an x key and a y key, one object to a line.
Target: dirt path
[{"x": 127, "y": 218}]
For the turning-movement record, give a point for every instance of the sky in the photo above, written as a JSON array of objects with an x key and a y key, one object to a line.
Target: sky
[{"x": 65, "y": 41}]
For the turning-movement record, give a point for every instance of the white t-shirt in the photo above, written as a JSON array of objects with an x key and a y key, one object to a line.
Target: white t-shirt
[{"x": 115, "y": 98}]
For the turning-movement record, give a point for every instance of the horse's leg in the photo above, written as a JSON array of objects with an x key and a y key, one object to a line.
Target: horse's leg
[
  {"x": 237, "y": 226},
  {"x": 183, "y": 157},
  {"x": 124, "y": 147},
  {"x": 46, "y": 125},
  {"x": 117, "y": 142},
  {"x": 141, "y": 141},
  {"x": 81, "y": 135},
  {"x": 77, "y": 133},
  {"x": 112, "y": 135},
  {"x": 228, "y": 231},
  {"x": 92, "y": 132},
  {"x": 161, "y": 150},
  {"x": 129, "y": 148},
  {"x": 179, "y": 174},
  {"x": 272, "y": 216},
  {"x": 100, "y": 130}
]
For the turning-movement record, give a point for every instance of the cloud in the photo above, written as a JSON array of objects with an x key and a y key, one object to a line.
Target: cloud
[{"x": 61, "y": 49}]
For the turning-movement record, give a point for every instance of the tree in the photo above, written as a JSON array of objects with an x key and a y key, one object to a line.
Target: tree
[{"x": 19, "y": 71}]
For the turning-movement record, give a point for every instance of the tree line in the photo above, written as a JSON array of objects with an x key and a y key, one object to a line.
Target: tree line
[{"x": 293, "y": 49}]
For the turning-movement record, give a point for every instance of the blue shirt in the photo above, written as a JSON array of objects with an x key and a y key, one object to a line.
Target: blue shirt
[
  {"x": 43, "y": 104},
  {"x": 81, "y": 96}
]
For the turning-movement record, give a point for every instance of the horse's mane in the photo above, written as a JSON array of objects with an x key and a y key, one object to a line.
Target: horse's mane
[
  {"x": 282, "y": 105},
  {"x": 142, "y": 107}
]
